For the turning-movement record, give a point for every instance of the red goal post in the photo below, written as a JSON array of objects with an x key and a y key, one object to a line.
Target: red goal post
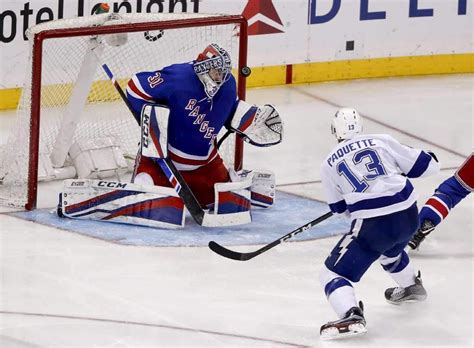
[{"x": 67, "y": 100}]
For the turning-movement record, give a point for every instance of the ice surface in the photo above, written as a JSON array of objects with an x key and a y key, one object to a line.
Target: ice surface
[{"x": 64, "y": 289}]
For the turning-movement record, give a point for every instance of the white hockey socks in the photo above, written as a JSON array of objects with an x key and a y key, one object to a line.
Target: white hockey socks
[
  {"x": 399, "y": 268},
  {"x": 338, "y": 290}
]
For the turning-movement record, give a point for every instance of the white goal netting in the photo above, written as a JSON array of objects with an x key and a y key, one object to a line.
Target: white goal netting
[{"x": 79, "y": 103}]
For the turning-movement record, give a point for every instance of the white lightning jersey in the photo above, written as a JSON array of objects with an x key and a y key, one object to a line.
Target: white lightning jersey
[{"x": 368, "y": 175}]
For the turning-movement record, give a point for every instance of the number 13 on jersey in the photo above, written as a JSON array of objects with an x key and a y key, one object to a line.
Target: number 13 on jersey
[{"x": 359, "y": 179}]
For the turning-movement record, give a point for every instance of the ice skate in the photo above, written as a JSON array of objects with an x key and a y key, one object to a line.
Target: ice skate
[
  {"x": 425, "y": 229},
  {"x": 412, "y": 293},
  {"x": 352, "y": 324}
]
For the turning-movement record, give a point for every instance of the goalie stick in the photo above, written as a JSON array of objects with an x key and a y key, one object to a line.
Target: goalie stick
[
  {"x": 234, "y": 255},
  {"x": 168, "y": 167}
]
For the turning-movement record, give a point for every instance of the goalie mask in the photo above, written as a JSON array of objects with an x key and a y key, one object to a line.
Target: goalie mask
[
  {"x": 213, "y": 67},
  {"x": 346, "y": 124}
]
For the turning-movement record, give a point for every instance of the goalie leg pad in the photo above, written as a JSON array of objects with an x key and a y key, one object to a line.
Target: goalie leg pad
[
  {"x": 151, "y": 206},
  {"x": 232, "y": 201},
  {"x": 262, "y": 190}
]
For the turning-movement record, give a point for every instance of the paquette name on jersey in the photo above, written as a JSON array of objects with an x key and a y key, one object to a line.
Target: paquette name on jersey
[{"x": 348, "y": 148}]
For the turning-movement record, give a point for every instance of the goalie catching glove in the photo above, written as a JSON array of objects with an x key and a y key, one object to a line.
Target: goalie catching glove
[{"x": 257, "y": 125}]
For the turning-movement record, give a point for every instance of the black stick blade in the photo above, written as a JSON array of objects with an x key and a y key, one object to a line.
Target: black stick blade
[
  {"x": 230, "y": 254},
  {"x": 234, "y": 255}
]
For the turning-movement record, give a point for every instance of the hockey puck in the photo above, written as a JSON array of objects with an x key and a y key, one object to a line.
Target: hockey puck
[{"x": 245, "y": 71}]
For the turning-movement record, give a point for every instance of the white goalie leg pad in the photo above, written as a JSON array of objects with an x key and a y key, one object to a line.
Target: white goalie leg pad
[
  {"x": 262, "y": 191},
  {"x": 263, "y": 188},
  {"x": 152, "y": 206},
  {"x": 232, "y": 202}
]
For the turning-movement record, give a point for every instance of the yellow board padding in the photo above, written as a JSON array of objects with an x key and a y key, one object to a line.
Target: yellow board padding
[
  {"x": 101, "y": 91},
  {"x": 267, "y": 76},
  {"x": 9, "y": 98},
  {"x": 277, "y": 75},
  {"x": 363, "y": 68},
  {"x": 383, "y": 67},
  {"x": 59, "y": 94}
]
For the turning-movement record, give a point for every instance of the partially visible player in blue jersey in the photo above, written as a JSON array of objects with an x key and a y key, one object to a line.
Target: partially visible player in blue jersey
[
  {"x": 367, "y": 176},
  {"x": 202, "y": 98},
  {"x": 446, "y": 196}
]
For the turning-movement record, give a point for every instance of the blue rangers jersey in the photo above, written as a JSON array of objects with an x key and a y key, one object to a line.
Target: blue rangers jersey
[
  {"x": 368, "y": 175},
  {"x": 195, "y": 120}
]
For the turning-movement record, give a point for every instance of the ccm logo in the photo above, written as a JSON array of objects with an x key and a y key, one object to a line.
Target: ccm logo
[
  {"x": 111, "y": 184},
  {"x": 145, "y": 129}
]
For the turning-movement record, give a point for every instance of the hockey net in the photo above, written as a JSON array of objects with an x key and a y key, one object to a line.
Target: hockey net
[{"x": 68, "y": 101}]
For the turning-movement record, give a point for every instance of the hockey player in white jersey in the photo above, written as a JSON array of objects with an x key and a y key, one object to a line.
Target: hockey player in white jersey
[{"x": 367, "y": 176}]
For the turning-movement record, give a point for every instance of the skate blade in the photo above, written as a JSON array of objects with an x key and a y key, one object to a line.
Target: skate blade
[
  {"x": 332, "y": 333},
  {"x": 411, "y": 299}
]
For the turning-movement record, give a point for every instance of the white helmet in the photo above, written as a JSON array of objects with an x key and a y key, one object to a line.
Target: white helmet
[{"x": 346, "y": 124}]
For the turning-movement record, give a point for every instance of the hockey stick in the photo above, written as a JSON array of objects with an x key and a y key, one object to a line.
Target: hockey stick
[
  {"x": 234, "y": 255},
  {"x": 224, "y": 137},
  {"x": 169, "y": 169}
]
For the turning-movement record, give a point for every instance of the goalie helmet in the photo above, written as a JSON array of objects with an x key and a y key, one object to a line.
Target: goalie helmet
[
  {"x": 213, "y": 66},
  {"x": 346, "y": 124}
]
